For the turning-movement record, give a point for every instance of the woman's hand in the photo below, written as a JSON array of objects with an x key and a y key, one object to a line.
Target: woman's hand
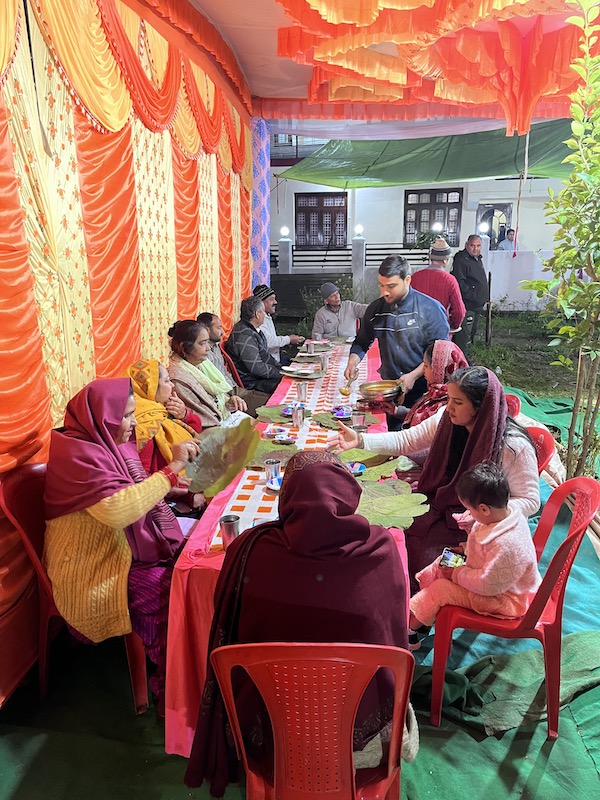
[
  {"x": 175, "y": 406},
  {"x": 182, "y": 453},
  {"x": 236, "y": 403},
  {"x": 346, "y": 439}
]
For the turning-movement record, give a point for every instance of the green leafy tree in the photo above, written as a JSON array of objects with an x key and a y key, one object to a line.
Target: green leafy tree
[{"x": 573, "y": 290}]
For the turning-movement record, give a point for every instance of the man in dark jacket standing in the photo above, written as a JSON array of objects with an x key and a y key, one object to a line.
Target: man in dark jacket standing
[
  {"x": 404, "y": 322},
  {"x": 467, "y": 268}
]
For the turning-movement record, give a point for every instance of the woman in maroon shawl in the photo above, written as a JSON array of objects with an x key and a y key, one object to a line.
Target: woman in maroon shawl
[
  {"x": 320, "y": 573},
  {"x": 472, "y": 428},
  {"x": 111, "y": 540}
]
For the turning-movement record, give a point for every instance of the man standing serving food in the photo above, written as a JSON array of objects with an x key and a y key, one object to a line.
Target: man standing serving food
[{"x": 404, "y": 321}]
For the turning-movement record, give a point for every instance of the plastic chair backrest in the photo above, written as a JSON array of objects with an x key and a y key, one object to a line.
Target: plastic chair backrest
[
  {"x": 544, "y": 446},
  {"x": 549, "y": 598},
  {"x": 312, "y": 693},
  {"x": 230, "y": 365},
  {"x": 22, "y": 500},
  {"x": 513, "y": 404}
]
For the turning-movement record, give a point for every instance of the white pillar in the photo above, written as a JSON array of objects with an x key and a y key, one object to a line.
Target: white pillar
[
  {"x": 359, "y": 259},
  {"x": 285, "y": 258}
]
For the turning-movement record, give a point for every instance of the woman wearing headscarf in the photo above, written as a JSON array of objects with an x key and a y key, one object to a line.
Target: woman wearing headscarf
[
  {"x": 198, "y": 382},
  {"x": 111, "y": 540},
  {"x": 162, "y": 421},
  {"x": 473, "y": 427},
  {"x": 319, "y": 573},
  {"x": 440, "y": 360}
]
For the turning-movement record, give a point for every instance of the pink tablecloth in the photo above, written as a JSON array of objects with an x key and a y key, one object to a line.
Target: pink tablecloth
[{"x": 191, "y": 605}]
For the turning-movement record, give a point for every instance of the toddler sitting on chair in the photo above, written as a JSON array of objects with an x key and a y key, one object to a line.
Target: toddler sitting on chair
[{"x": 499, "y": 572}]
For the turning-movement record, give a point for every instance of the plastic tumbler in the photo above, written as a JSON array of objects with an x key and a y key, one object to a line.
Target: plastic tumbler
[
  {"x": 230, "y": 528},
  {"x": 358, "y": 419},
  {"x": 301, "y": 391},
  {"x": 272, "y": 468}
]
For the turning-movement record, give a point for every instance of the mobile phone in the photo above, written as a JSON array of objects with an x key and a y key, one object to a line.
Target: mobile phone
[{"x": 450, "y": 558}]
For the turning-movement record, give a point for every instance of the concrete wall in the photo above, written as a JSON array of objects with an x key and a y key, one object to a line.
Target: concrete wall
[{"x": 381, "y": 211}]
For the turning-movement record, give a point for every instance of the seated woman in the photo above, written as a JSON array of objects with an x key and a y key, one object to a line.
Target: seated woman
[
  {"x": 440, "y": 360},
  {"x": 319, "y": 573},
  {"x": 198, "y": 382},
  {"x": 111, "y": 540},
  {"x": 472, "y": 428},
  {"x": 162, "y": 421}
]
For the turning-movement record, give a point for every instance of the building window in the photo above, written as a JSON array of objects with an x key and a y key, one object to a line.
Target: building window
[
  {"x": 424, "y": 210},
  {"x": 321, "y": 221}
]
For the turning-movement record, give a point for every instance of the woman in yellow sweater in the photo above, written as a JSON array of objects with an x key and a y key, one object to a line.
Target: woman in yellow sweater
[{"x": 111, "y": 540}]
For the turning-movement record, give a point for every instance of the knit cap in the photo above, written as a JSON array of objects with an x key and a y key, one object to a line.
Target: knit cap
[
  {"x": 328, "y": 289},
  {"x": 263, "y": 291},
  {"x": 440, "y": 250}
]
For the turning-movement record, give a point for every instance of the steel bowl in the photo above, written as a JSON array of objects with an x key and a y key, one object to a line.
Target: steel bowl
[{"x": 379, "y": 390}]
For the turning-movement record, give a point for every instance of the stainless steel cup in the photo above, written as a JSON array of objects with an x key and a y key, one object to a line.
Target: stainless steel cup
[
  {"x": 310, "y": 347},
  {"x": 318, "y": 336},
  {"x": 230, "y": 528},
  {"x": 302, "y": 391},
  {"x": 298, "y": 416},
  {"x": 324, "y": 358},
  {"x": 272, "y": 468}
]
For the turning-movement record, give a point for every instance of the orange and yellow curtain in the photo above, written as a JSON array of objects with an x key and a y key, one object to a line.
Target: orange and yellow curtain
[
  {"x": 412, "y": 59},
  {"x": 126, "y": 176}
]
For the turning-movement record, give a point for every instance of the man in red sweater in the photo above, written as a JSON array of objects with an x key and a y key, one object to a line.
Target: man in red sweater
[{"x": 439, "y": 284}]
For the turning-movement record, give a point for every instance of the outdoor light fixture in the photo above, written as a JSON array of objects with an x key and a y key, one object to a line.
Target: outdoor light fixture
[
  {"x": 358, "y": 230},
  {"x": 483, "y": 227},
  {"x": 284, "y": 231},
  {"x": 437, "y": 227}
]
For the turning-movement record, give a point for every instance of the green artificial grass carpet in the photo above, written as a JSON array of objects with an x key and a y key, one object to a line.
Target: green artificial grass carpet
[{"x": 84, "y": 742}]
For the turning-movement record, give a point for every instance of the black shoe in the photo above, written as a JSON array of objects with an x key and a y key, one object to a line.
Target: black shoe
[{"x": 414, "y": 643}]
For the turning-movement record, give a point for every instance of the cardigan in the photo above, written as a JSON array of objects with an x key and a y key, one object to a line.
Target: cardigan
[{"x": 87, "y": 558}]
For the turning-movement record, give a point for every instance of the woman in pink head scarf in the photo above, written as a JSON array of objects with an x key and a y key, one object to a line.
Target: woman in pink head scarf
[
  {"x": 440, "y": 360},
  {"x": 111, "y": 540}
]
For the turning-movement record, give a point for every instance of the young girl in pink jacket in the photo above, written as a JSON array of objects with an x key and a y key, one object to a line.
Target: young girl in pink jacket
[{"x": 500, "y": 572}]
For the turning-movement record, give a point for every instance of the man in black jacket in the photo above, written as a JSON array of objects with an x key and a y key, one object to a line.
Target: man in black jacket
[
  {"x": 248, "y": 349},
  {"x": 467, "y": 268}
]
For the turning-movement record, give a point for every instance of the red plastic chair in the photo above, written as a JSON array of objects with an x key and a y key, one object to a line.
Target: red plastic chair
[
  {"x": 543, "y": 618},
  {"x": 513, "y": 404},
  {"x": 312, "y": 693},
  {"x": 22, "y": 501},
  {"x": 230, "y": 365},
  {"x": 545, "y": 446}
]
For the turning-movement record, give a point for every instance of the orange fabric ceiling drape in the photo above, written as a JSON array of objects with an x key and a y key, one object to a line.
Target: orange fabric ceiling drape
[
  {"x": 187, "y": 233},
  {"x": 23, "y": 387},
  {"x": 105, "y": 166},
  {"x": 456, "y": 53}
]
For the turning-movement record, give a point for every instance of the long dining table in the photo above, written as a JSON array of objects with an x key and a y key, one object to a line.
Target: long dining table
[{"x": 198, "y": 567}]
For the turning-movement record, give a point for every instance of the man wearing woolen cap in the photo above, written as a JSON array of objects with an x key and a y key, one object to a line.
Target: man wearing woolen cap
[
  {"x": 274, "y": 342},
  {"x": 336, "y": 317},
  {"x": 435, "y": 282}
]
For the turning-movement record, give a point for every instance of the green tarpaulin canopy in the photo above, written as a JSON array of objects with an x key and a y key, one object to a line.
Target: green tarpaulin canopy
[{"x": 443, "y": 159}]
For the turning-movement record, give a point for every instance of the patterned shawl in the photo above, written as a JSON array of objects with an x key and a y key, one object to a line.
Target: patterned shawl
[{"x": 153, "y": 420}]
